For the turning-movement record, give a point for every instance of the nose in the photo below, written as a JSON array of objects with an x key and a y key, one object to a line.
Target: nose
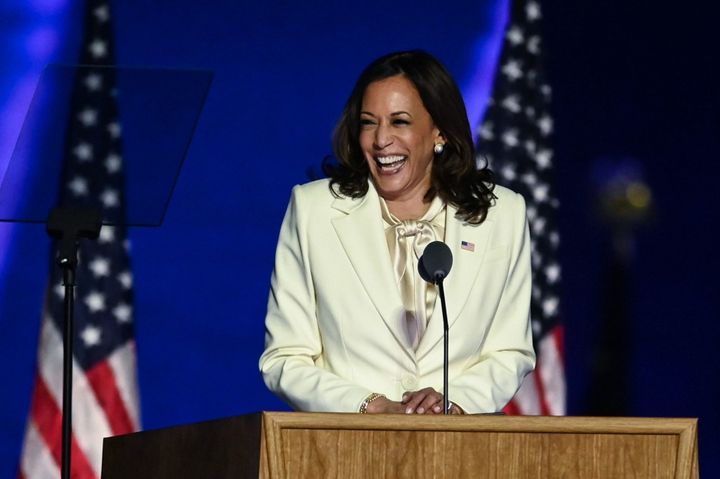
[{"x": 383, "y": 137}]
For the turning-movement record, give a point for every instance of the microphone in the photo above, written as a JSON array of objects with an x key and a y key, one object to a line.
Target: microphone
[
  {"x": 434, "y": 266},
  {"x": 435, "y": 262}
]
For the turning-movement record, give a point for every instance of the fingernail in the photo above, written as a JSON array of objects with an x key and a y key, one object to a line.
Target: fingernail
[
  {"x": 437, "y": 408},
  {"x": 420, "y": 410},
  {"x": 408, "y": 410}
]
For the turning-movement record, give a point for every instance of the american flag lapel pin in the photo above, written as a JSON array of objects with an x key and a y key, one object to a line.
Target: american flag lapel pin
[{"x": 467, "y": 246}]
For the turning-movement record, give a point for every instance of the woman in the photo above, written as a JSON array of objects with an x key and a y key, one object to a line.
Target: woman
[{"x": 350, "y": 326}]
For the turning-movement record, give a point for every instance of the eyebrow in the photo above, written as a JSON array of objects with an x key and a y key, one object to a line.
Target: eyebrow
[{"x": 395, "y": 113}]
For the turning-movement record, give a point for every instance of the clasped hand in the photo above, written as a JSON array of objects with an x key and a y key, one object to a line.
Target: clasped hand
[{"x": 423, "y": 401}]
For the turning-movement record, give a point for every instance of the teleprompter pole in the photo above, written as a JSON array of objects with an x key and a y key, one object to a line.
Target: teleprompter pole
[{"x": 68, "y": 226}]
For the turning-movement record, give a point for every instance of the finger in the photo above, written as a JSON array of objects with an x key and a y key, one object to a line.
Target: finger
[
  {"x": 428, "y": 398},
  {"x": 452, "y": 408},
  {"x": 432, "y": 403},
  {"x": 413, "y": 400}
]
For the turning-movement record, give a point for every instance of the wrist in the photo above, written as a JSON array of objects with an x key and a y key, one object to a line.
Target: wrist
[{"x": 365, "y": 406}]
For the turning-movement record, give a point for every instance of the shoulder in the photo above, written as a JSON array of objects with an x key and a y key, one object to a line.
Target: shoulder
[
  {"x": 506, "y": 195},
  {"x": 312, "y": 195},
  {"x": 507, "y": 201},
  {"x": 314, "y": 202},
  {"x": 317, "y": 196},
  {"x": 507, "y": 209},
  {"x": 318, "y": 189}
]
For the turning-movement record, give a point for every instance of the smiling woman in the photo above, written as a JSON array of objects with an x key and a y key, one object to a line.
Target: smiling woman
[
  {"x": 397, "y": 137},
  {"x": 350, "y": 325},
  {"x": 429, "y": 88}
]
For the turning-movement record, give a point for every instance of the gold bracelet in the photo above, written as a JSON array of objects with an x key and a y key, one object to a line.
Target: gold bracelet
[{"x": 368, "y": 400}]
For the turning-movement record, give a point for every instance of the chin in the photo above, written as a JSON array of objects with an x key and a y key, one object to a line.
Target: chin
[{"x": 390, "y": 192}]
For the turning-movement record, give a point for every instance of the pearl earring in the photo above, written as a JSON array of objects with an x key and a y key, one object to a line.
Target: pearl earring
[{"x": 438, "y": 148}]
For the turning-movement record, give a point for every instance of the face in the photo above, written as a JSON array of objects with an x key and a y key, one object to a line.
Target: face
[{"x": 397, "y": 136}]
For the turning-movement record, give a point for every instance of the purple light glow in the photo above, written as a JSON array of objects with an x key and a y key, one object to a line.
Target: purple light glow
[
  {"x": 477, "y": 88},
  {"x": 46, "y": 7},
  {"x": 12, "y": 116},
  {"x": 41, "y": 43},
  {"x": 35, "y": 43}
]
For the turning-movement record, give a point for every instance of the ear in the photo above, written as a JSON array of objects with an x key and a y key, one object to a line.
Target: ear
[{"x": 438, "y": 137}]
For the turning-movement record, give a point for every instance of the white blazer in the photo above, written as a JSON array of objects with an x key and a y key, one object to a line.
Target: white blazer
[{"x": 335, "y": 321}]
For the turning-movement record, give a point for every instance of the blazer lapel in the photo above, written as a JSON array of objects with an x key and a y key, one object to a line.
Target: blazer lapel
[
  {"x": 361, "y": 234},
  {"x": 465, "y": 268}
]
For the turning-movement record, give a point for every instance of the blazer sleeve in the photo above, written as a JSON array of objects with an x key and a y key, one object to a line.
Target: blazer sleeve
[
  {"x": 291, "y": 364},
  {"x": 493, "y": 377}
]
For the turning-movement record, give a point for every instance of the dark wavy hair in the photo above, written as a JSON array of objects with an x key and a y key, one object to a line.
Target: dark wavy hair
[{"x": 455, "y": 177}]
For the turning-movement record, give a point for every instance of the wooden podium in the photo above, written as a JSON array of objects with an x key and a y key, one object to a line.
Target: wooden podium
[{"x": 314, "y": 445}]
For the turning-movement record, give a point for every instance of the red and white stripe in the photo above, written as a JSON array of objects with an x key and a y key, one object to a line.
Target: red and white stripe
[
  {"x": 543, "y": 391},
  {"x": 105, "y": 403}
]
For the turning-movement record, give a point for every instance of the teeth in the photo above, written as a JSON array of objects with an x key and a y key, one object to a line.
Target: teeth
[{"x": 387, "y": 160}]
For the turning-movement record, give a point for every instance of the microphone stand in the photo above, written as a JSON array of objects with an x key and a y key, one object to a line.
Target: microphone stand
[
  {"x": 446, "y": 334},
  {"x": 434, "y": 266}
]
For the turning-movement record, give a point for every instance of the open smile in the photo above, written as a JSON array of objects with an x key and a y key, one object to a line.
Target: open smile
[{"x": 391, "y": 163}]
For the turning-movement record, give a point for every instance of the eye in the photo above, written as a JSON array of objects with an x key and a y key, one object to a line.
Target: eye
[
  {"x": 400, "y": 122},
  {"x": 366, "y": 122}
]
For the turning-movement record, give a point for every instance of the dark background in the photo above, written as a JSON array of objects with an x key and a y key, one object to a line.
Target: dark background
[{"x": 631, "y": 80}]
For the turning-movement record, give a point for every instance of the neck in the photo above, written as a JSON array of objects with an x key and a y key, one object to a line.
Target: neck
[{"x": 407, "y": 210}]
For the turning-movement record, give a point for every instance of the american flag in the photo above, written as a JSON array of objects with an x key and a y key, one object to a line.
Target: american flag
[
  {"x": 105, "y": 396},
  {"x": 514, "y": 139}
]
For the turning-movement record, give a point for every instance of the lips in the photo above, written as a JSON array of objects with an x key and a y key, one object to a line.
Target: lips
[{"x": 390, "y": 163}]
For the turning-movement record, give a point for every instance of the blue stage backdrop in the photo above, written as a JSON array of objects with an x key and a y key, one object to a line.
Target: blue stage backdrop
[{"x": 282, "y": 72}]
